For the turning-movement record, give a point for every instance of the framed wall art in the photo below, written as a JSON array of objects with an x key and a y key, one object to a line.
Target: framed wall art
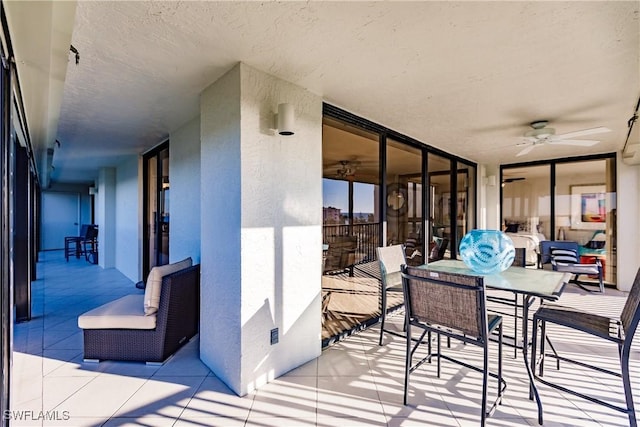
[{"x": 588, "y": 207}]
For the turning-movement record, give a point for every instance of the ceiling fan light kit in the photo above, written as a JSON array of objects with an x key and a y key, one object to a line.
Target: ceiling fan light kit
[{"x": 541, "y": 134}]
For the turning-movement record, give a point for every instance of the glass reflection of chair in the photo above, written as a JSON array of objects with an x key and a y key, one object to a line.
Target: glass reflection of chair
[
  {"x": 341, "y": 255},
  {"x": 439, "y": 249},
  {"x": 452, "y": 305},
  {"x": 390, "y": 258},
  {"x": 620, "y": 332}
]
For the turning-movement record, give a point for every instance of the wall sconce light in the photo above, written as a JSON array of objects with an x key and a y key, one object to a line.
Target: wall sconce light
[
  {"x": 93, "y": 191},
  {"x": 490, "y": 180},
  {"x": 285, "y": 119}
]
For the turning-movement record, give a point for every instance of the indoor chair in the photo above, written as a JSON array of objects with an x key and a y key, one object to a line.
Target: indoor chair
[
  {"x": 620, "y": 332},
  {"x": 390, "y": 259},
  {"x": 452, "y": 305},
  {"x": 567, "y": 259}
]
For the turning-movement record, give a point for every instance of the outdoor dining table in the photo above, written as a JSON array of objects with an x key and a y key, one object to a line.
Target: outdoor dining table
[{"x": 531, "y": 283}]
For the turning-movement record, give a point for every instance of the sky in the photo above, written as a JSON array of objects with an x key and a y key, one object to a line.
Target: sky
[{"x": 336, "y": 194}]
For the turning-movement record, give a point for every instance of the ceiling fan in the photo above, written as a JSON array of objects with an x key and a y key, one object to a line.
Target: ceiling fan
[
  {"x": 344, "y": 169},
  {"x": 540, "y": 134},
  {"x": 510, "y": 180}
]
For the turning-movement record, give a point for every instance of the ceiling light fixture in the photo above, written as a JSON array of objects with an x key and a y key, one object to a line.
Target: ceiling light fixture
[{"x": 539, "y": 130}]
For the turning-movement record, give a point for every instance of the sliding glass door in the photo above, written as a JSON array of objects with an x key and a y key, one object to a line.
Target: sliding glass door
[
  {"x": 351, "y": 189},
  {"x": 156, "y": 208},
  {"x": 567, "y": 199},
  {"x": 585, "y": 210},
  {"x": 404, "y": 201},
  {"x": 382, "y": 188}
]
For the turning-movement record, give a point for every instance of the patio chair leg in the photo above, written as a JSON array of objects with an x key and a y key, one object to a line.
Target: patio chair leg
[
  {"x": 383, "y": 314},
  {"x": 500, "y": 364},
  {"x": 543, "y": 339},
  {"x": 626, "y": 381},
  {"x": 485, "y": 374},
  {"x": 515, "y": 328},
  {"x": 439, "y": 349},
  {"x": 533, "y": 355},
  {"x": 601, "y": 280},
  {"x": 407, "y": 364}
]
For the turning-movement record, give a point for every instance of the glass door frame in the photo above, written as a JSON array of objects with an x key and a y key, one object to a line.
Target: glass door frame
[
  {"x": 386, "y": 133},
  {"x": 146, "y": 234},
  {"x": 552, "y": 181}
]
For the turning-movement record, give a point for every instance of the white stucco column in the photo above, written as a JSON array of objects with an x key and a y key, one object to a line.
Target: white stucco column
[
  {"x": 261, "y": 249},
  {"x": 105, "y": 216},
  {"x": 628, "y": 225},
  {"x": 184, "y": 175},
  {"x": 489, "y": 197}
]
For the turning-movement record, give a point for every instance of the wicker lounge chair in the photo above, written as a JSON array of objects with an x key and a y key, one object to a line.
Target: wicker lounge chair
[{"x": 176, "y": 322}]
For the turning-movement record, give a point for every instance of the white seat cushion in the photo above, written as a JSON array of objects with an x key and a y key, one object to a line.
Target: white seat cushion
[
  {"x": 578, "y": 268},
  {"x": 154, "y": 283},
  {"x": 124, "y": 313}
]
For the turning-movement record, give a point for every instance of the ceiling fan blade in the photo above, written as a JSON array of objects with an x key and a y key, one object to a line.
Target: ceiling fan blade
[
  {"x": 583, "y": 132},
  {"x": 580, "y": 142},
  {"x": 527, "y": 150}
]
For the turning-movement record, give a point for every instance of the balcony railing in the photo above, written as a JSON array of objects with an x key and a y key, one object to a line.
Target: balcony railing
[{"x": 368, "y": 235}]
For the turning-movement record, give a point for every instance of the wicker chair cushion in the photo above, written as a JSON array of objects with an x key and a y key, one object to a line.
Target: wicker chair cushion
[
  {"x": 154, "y": 283},
  {"x": 123, "y": 313}
]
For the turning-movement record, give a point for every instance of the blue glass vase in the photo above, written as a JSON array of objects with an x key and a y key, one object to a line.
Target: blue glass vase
[{"x": 487, "y": 251}]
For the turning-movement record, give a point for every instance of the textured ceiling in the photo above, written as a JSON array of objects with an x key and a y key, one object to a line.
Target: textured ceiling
[{"x": 466, "y": 77}]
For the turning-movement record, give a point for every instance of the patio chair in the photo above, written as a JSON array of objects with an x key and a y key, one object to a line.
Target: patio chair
[
  {"x": 326, "y": 299},
  {"x": 520, "y": 260},
  {"x": 620, "y": 332},
  {"x": 567, "y": 259},
  {"x": 452, "y": 305},
  {"x": 83, "y": 244},
  {"x": 390, "y": 258},
  {"x": 545, "y": 249},
  {"x": 341, "y": 255}
]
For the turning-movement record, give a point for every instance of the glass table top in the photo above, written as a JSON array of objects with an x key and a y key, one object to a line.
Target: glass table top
[{"x": 545, "y": 284}]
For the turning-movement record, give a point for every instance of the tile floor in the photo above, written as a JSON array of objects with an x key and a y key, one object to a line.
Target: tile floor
[{"x": 354, "y": 383}]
